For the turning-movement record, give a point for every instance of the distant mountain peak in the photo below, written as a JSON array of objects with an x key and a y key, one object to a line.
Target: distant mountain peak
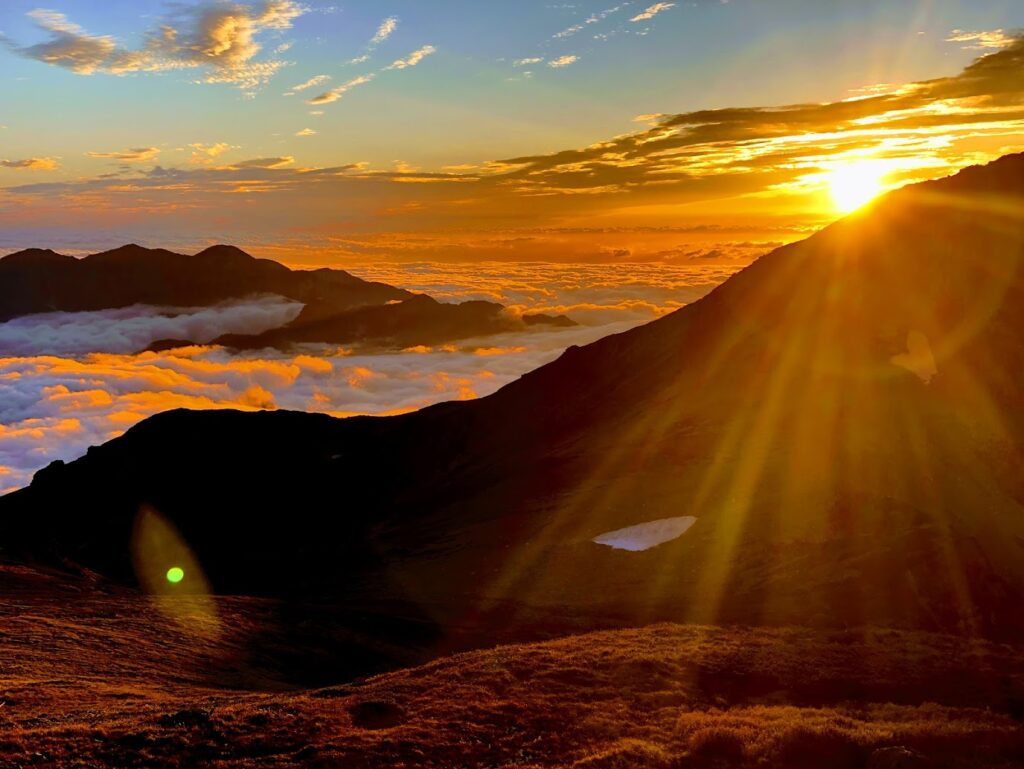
[
  {"x": 34, "y": 255},
  {"x": 223, "y": 250}
]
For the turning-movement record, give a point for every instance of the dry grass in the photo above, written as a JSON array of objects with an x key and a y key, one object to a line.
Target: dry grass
[{"x": 92, "y": 681}]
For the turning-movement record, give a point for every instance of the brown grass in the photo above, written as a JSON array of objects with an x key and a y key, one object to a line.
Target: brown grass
[{"x": 91, "y": 681}]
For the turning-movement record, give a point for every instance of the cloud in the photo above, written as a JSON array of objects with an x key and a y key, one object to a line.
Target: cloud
[
  {"x": 527, "y": 61},
  {"x": 413, "y": 58},
  {"x": 311, "y": 83},
  {"x": 206, "y": 153},
  {"x": 563, "y": 61},
  {"x": 32, "y": 164},
  {"x": 219, "y": 38},
  {"x": 993, "y": 39},
  {"x": 131, "y": 329},
  {"x": 568, "y": 32},
  {"x": 385, "y": 30},
  {"x": 336, "y": 93},
  {"x": 305, "y": 132},
  {"x": 278, "y": 162},
  {"x": 651, "y": 11},
  {"x": 136, "y": 155}
]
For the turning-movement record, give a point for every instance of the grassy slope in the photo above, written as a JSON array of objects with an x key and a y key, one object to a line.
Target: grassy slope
[{"x": 118, "y": 683}]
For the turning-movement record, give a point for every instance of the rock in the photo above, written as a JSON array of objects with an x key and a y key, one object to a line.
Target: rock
[
  {"x": 897, "y": 758},
  {"x": 190, "y": 717}
]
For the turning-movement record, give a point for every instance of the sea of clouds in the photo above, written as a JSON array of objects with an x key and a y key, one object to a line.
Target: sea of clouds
[{"x": 72, "y": 380}]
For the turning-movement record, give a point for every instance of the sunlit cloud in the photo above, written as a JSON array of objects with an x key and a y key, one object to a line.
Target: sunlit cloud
[
  {"x": 385, "y": 30},
  {"x": 336, "y": 93},
  {"x": 207, "y": 153},
  {"x": 568, "y": 32},
  {"x": 527, "y": 61},
  {"x": 993, "y": 39},
  {"x": 651, "y": 11},
  {"x": 311, "y": 83},
  {"x": 563, "y": 61},
  {"x": 306, "y": 132},
  {"x": 277, "y": 162},
  {"x": 136, "y": 155},
  {"x": 218, "y": 38},
  {"x": 413, "y": 58},
  {"x": 31, "y": 164}
]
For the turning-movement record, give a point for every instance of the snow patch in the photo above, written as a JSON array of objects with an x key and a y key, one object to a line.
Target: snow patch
[{"x": 644, "y": 536}]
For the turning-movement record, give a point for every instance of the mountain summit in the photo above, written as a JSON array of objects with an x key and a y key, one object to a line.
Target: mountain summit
[{"x": 832, "y": 437}]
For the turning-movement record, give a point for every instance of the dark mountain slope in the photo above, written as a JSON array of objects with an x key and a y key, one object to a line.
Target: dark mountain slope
[
  {"x": 420, "y": 320},
  {"x": 843, "y": 418},
  {"x": 42, "y": 281}
]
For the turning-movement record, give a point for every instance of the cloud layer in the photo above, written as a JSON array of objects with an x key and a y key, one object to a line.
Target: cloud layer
[{"x": 132, "y": 329}]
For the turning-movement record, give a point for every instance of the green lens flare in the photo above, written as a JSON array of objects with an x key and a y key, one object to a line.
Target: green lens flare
[{"x": 175, "y": 575}]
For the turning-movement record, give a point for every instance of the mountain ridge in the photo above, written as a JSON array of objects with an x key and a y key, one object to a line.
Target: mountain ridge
[{"x": 340, "y": 308}]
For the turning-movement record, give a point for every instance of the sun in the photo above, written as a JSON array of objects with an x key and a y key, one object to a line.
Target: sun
[{"x": 855, "y": 184}]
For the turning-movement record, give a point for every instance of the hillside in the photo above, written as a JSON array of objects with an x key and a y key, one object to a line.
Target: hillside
[{"x": 112, "y": 681}]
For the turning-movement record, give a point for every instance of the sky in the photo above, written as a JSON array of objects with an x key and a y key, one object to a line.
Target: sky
[{"x": 319, "y": 132}]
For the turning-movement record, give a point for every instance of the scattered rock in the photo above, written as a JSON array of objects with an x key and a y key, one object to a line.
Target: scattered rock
[
  {"x": 897, "y": 758},
  {"x": 190, "y": 717}
]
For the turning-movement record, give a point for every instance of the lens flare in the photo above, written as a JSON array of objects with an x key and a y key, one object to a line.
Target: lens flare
[{"x": 170, "y": 573}]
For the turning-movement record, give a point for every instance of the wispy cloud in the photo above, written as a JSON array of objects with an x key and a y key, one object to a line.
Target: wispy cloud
[
  {"x": 385, "y": 30},
  {"x": 206, "y": 153},
  {"x": 651, "y": 11},
  {"x": 278, "y": 162},
  {"x": 306, "y": 132},
  {"x": 413, "y": 58},
  {"x": 135, "y": 155},
  {"x": 336, "y": 93},
  {"x": 527, "y": 61},
  {"x": 216, "y": 37},
  {"x": 311, "y": 83},
  {"x": 31, "y": 164},
  {"x": 568, "y": 32},
  {"x": 992, "y": 39},
  {"x": 563, "y": 61}
]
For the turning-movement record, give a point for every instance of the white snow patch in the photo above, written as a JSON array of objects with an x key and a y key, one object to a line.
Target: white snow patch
[{"x": 644, "y": 536}]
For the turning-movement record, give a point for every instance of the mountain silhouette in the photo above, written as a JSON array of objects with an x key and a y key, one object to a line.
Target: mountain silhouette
[
  {"x": 842, "y": 418},
  {"x": 39, "y": 280},
  {"x": 339, "y": 307},
  {"x": 419, "y": 320}
]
